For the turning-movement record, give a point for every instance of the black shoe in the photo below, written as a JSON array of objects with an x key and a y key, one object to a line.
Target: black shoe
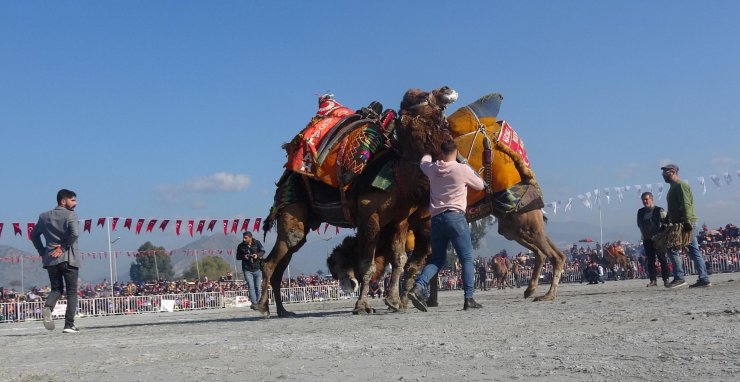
[
  {"x": 417, "y": 298},
  {"x": 471, "y": 304},
  {"x": 677, "y": 283},
  {"x": 71, "y": 329},
  {"x": 700, "y": 284}
]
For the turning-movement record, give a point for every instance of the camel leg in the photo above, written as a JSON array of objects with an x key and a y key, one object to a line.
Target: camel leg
[
  {"x": 292, "y": 229},
  {"x": 368, "y": 239},
  {"x": 558, "y": 264},
  {"x": 422, "y": 228},
  {"x": 398, "y": 261},
  {"x": 362, "y": 306}
]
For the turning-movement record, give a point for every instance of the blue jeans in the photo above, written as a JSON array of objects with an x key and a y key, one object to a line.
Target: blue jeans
[
  {"x": 694, "y": 255},
  {"x": 63, "y": 277},
  {"x": 254, "y": 283},
  {"x": 447, "y": 227}
]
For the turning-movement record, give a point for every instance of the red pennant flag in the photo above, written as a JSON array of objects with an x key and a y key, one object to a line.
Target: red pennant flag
[
  {"x": 88, "y": 224},
  {"x": 336, "y": 231},
  {"x": 30, "y": 228},
  {"x": 226, "y": 227},
  {"x": 190, "y": 227},
  {"x": 101, "y": 222},
  {"x": 235, "y": 226},
  {"x": 326, "y": 226},
  {"x": 113, "y": 226},
  {"x": 151, "y": 225},
  {"x": 257, "y": 222},
  {"x": 164, "y": 224},
  {"x": 245, "y": 225},
  {"x": 200, "y": 226},
  {"x": 139, "y": 224},
  {"x": 127, "y": 224},
  {"x": 178, "y": 223},
  {"x": 211, "y": 225},
  {"x": 17, "y": 229},
  {"x": 1, "y": 229}
]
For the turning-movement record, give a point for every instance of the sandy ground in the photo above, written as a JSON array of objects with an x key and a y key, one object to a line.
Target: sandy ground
[{"x": 618, "y": 331}]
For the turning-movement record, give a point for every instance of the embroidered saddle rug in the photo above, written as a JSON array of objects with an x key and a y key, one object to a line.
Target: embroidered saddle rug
[{"x": 337, "y": 144}]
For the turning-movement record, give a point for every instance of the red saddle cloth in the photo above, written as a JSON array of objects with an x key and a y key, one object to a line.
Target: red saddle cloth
[{"x": 303, "y": 150}]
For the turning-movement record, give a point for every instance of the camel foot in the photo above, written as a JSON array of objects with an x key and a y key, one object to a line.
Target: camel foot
[
  {"x": 528, "y": 292},
  {"x": 264, "y": 310},
  {"x": 285, "y": 314},
  {"x": 546, "y": 297},
  {"x": 363, "y": 311},
  {"x": 393, "y": 306}
]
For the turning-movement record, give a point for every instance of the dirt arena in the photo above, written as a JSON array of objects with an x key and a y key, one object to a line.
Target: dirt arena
[{"x": 618, "y": 331}]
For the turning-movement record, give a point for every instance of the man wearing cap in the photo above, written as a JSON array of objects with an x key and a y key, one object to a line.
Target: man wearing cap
[{"x": 681, "y": 211}]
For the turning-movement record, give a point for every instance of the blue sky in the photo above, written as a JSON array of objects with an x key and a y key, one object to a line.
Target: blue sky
[{"x": 177, "y": 109}]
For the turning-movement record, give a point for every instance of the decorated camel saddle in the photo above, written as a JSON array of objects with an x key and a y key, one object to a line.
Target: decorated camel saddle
[
  {"x": 338, "y": 143},
  {"x": 495, "y": 150}
]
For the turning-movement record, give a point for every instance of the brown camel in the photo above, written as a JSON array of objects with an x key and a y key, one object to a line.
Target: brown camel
[
  {"x": 374, "y": 211},
  {"x": 614, "y": 255},
  {"x": 501, "y": 266},
  {"x": 509, "y": 178}
]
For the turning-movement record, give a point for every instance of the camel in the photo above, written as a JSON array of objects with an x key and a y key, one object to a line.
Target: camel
[
  {"x": 501, "y": 266},
  {"x": 374, "y": 212},
  {"x": 614, "y": 255},
  {"x": 512, "y": 195}
]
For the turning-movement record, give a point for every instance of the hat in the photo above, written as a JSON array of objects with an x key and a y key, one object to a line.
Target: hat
[{"x": 670, "y": 167}]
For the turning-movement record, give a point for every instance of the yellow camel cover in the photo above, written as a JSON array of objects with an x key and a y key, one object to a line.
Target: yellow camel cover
[{"x": 469, "y": 126}]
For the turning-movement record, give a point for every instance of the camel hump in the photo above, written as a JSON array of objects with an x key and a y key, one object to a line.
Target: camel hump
[
  {"x": 337, "y": 144},
  {"x": 487, "y": 106}
]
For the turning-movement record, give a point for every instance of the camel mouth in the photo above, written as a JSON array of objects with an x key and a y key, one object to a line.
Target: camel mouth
[{"x": 450, "y": 97}]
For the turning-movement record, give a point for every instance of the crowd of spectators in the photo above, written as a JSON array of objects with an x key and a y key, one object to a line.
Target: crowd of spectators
[
  {"x": 130, "y": 288},
  {"x": 721, "y": 244}
]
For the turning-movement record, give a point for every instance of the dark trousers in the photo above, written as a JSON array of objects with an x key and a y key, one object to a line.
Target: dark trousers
[
  {"x": 63, "y": 277},
  {"x": 650, "y": 254}
]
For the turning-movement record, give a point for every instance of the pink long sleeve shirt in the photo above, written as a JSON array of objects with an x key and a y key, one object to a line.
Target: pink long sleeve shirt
[{"x": 448, "y": 183}]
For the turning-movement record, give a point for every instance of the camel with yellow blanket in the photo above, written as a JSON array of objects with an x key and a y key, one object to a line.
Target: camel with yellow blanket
[{"x": 493, "y": 149}]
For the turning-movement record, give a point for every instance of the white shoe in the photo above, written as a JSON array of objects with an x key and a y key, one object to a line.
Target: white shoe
[
  {"x": 46, "y": 316},
  {"x": 71, "y": 329}
]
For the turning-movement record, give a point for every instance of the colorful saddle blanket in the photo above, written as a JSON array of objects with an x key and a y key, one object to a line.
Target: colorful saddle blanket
[
  {"x": 510, "y": 175},
  {"x": 338, "y": 143}
]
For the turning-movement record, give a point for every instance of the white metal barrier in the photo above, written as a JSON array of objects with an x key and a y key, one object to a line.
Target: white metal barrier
[{"x": 106, "y": 306}]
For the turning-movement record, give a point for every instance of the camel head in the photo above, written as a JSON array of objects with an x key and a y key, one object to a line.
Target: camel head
[
  {"x": 422, "y": 124},
  {"x": 342, "y": 263}
]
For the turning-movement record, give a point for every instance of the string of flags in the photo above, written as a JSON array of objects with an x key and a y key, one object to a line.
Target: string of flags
[
  {"x": 228, "y": 225},
  {"x": 588, "y": 199},
  {"x": 100, "y": 255},
  {"x": 594, "y": 198}
]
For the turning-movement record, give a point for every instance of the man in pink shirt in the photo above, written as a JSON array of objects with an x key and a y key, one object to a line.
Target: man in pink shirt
[{"x": 448, "y": 183}]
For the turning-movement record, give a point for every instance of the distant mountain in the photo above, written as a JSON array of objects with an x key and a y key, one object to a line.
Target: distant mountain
[
  {"x": 183, "y": 257},
  {"x": 10, "y": 271}
]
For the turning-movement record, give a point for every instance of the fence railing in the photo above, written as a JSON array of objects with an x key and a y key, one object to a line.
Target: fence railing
[{"x": 105, "y": 306}]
